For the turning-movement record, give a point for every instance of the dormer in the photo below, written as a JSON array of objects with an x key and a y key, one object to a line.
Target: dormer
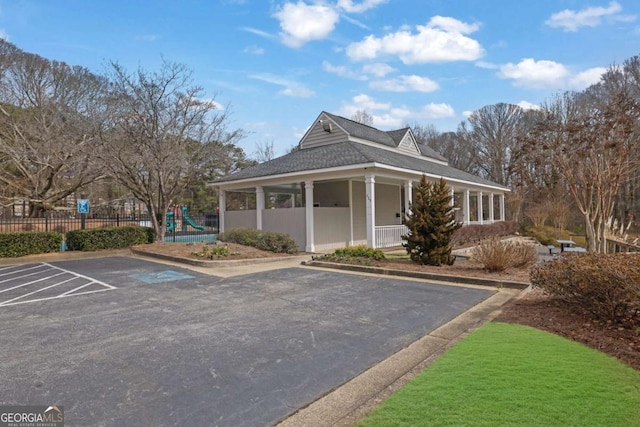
[{"x": 331, "y": 129}]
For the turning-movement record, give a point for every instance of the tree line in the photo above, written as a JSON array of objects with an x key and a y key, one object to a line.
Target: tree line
[
  {"x": 578, "y": 152},
  {"x": 151, "y": 135}
]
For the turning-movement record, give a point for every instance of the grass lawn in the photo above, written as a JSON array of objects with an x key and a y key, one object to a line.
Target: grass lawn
[{"x": 512, "y": 375}]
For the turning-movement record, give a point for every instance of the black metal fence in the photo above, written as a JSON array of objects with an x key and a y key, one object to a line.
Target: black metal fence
[{"x": 181, "y": 228}]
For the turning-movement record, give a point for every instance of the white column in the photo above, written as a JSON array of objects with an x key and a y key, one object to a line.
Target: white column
[
  {"x": 350, "y": 213},
  {"x": 491, "y": 209},
  {"x": 408, "y": 197},
  {"x": 370, "y": 203},
  {"x": 452, "y": 192},
  {"x": 480, "y": 212},
  {"x": 259, "y": 206},
  {"x": 308, "y": 208},
  {"x": 222, "y": 208},
  {"x": 466, "y": 212},
  {"x": 502, "y": 214}
]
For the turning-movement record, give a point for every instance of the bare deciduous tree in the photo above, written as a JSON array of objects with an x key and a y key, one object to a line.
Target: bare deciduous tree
[
  {"x": 494, "y": 131},
  {"x": 363, "y": 117},
  {"x": 49, "y": 121},
  {"x": 163, "y": 132},
  {"x": 593, "y": 144},
  {"x": 264, "y": 151}
]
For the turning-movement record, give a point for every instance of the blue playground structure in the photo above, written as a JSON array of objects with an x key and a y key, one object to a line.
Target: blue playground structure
[
  {"x": 185, "y": 229},
  {"x": 172, "y": 222},
  {"x": 189, "y": 221}
]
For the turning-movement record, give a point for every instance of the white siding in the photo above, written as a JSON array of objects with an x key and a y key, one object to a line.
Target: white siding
[
  {"x": 331, "y": 226},
  {"x": 240, "y": 219},
  {"x": 317, "y": 135},
  {"x": 408, "y": 145},
  {"x": 289, "y": 221}
]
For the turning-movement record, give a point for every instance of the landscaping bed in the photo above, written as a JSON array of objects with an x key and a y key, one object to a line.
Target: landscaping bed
[
  {"x": 540, "y": 311},
  {"x": 188, "y": 250}
]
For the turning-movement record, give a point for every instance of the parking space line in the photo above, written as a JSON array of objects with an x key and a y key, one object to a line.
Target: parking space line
[
  {"x": 24, "y": 275},
  {"x": 50, "y": 272},
  {"x": 38, "y": 290},
  {"x": 29, "y": 283},
  {"x": 91, "y": 279}
]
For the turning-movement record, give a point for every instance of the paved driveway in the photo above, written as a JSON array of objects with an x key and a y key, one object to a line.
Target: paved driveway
[{"x": 160, "y": 345}]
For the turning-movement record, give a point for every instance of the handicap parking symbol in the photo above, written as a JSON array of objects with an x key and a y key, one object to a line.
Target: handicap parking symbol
[{"x": 83, "y": 206}]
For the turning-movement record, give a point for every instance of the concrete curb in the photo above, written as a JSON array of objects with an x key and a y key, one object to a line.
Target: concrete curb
[
  {"x": 211, "y": 264},
  {"x": 348, "y": 403},
  {"x": 420, "y": 275},
  {"x": 64, "y": 256}
]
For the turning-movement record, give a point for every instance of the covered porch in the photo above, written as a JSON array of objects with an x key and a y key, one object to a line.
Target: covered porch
[{"x": 333, "y": 210}]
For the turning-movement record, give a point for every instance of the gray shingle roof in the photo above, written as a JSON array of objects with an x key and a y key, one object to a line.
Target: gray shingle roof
[
  {"x": 346, "y": 154},
  {"x": 358, "y": 130}
]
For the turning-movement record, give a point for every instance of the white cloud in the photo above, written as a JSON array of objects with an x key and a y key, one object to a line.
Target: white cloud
[
  {"x": 535, "y": 74},
  {"x": 436, "y": 111},
  {"x": 467, "y": 113},
  {"x": 571, "y": 20},
  {"x": 406, "y": 84},
  {"x": 379, "y": 69},
  {"x": 253, "y": 50},
  {"x": 442, "y": 39},
  {"x": 587, "y": 78},
  {"x": 257, "y": 32},
  {"x": 487, "y": 65},
  {"x": 301, "y": 23},
  {"x": 385, "y": 115},
  {"x": 350, "y": 6},
  {"x": 291, "y": 88},
  {"x": 544, "y": 74},
  {"x": 3, "y": 34},
  {"x": 342, "y": 71},
  {"x": 526, "y": 105}
]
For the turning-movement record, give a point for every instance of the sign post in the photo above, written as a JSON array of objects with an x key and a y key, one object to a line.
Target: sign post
[{"x": 83, "y": 210}]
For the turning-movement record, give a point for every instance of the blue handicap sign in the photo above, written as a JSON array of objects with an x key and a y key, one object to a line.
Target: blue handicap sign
[{"x": 83, "y": 206}]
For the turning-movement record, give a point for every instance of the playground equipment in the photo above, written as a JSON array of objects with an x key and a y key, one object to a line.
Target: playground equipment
[
  {"x": 172, "y": 223},
  {"x": 189, "y": 221}
]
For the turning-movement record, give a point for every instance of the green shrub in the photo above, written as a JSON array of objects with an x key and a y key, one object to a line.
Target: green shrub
[
  {"x": 241, "y": 236},
  {"x": 213, "y": 252},
  {"x": 360, "y": 254},
  {"x": 28, "y": 243},
  {"x": 276, "y": 242},
  {"x": 263, "y": 240},
  {"x": 106, "y": 238},
  {"x": 151, "y": 234},
  {"x": 360, "y": 251},
  {"x": 497, "y": 255},
  {"x": 607, "y": 285}
]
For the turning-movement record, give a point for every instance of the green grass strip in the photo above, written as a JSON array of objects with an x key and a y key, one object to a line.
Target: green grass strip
[{"x": 512, "y": 375}]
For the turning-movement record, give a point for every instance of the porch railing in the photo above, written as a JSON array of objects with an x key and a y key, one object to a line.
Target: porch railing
[{"x": 390, "y": 235}]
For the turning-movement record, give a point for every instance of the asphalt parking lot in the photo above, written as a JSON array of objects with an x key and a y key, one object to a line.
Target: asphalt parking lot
[{"x": 123, "y": 341}]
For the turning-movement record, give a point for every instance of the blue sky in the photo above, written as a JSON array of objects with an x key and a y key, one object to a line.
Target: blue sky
[{"x": 278, "y": 64}]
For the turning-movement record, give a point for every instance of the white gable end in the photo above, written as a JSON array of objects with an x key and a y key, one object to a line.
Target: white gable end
[
  {"x": 408, "y": 145},
  {"x": 322, "y": 132}
]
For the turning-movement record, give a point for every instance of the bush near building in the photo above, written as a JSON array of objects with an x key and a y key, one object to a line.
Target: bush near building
[
  {"x": 29, "y": 243},
  {"x": 108, "y": 238},
  {"x": 607, "y": 285},
  {"x": 263, "y": 240}
]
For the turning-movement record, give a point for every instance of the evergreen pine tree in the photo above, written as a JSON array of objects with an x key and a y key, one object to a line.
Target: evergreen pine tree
[{"x": 431, "y": 224}]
